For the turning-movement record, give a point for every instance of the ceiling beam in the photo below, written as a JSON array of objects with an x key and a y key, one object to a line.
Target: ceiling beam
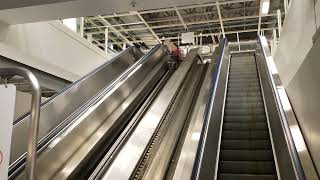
[
  {"x": 210, "y": 34},
  {"x": 102, "y": 31},
  {"x": 176, "y": 33},
  {"x": 105, "y": 22},
  {"x": 150, "y": 29},
  {"x": 189, "y": 24},
  {"x": 178, "y": 7},
  {"x": 181, "y": 19}
]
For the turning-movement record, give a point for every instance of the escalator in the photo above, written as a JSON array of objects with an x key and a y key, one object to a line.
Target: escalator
[
  {"x": 154, "y": 118},
  {"x": 80, "y": 123},
  {"x": 245, "y": 151},
  {"x": 247, "y": 133}
]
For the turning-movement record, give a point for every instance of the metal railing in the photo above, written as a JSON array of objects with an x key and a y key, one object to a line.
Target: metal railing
[{"x": 34, "y": 116}]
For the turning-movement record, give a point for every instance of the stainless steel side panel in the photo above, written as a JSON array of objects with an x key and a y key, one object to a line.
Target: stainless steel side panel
[
  {"x": 187, "y": 156},
  {"x": 209, "y": 145},
  {"x": 127, "y": 159},
  {"x": 281, "y": 145},
  {"x": 88, "y": 135},
  {"x": 62, "y": 105}
]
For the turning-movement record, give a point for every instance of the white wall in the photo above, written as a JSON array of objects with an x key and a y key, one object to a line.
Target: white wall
[
  {"x": 296, "y": 38},
  {"x": 51, "y": 47},
  {"x": 297, "y": 60},
  {"x": 23, "y": 104}
]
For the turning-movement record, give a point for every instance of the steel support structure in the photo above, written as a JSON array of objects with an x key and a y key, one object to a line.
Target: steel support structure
[
  {"x": 260, "y": 16},
  {"x": 104, "y": 21},
  {"x": 179, "y": 7},
  {"x": 89, "y": 35},
  {"x": 181, "y": 19},
  {"x": 147, "y": 25},
  {"x": 81, "y": 26},
  {"x": 238, "y": 41},
  {"x": 220, "y": 19},
  {"x": 106, "y": 38},
  {"x": 208, "y": 34},
  {"x": 279, "y": 22}
]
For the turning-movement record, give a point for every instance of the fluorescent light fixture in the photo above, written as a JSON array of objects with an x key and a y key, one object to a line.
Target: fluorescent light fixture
[
  {"x": 265, "y": 7},
  {"x": 71, "y": 23}
]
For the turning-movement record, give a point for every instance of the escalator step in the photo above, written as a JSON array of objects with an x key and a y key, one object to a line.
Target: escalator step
[
  {"x": 244, "y": 105},
  {"x": 246, "y": 155},
  {"x": 245, "y": 76},
  {"x": 246, "y": 167},
  {"x": 245, "y": 118},
  {"x": 247, "y": 177},
  {"x": 253, "y": 126},
  {"x": 245, "y": 151},
  {"x": 251, "y": 89},
  {"x": 244, "y": 65},
  {"x": 244, "y": 111},
  {"x": 244, "y": 88},
  {"x": 244, "y": 85},
  {"x": 242, "y": 68},
  {"x": 243, "y": 94},
  {"x": 243, "y": 72},
  {"x": 245, "y": 135},
  {"x": 246, "y": 144},
  {"x": 244, "y": 99},
  {"x": 243, "y": 81}
]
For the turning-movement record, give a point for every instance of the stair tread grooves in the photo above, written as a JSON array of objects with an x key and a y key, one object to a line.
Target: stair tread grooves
[
  {"x": 246, "y": 144},
  {"x": 225, "y": 176},
  {"x": 247, "y": 167},
  {"x": 246, "y": 155},
  {"x": 246, "y": 149},
  {"x": 245, "y": 135}
]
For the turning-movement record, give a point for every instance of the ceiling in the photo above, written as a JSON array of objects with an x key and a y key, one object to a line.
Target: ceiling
[{"x": 146, "y": 28}]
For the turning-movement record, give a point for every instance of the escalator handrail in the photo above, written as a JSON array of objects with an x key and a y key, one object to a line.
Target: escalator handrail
[
  {"x": 68, "y": 87},
  {"x": 208, "y": 111},
  {"x": 292, "y": 148}
]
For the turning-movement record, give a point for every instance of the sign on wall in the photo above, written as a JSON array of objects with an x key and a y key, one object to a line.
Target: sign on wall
[
  {"x": 187, "y": 38},
  {"x": 7, "y": 103}
]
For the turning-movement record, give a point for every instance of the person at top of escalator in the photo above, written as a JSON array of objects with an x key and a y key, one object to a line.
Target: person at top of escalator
[
  {"x": 174, "y": 50},
  {"x": 177, "y": 53}
]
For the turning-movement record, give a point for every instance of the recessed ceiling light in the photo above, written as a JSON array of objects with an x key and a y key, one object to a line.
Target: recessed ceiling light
[{"x": 265, "y": 7}]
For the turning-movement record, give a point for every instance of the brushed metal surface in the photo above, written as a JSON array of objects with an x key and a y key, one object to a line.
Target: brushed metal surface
[
  {"x": 167, "y": 142},
  {"x": 33, "y": 128},
  {"x": 303, "y": 91},
  {"x": 79, "y": 145},
  {"x": 206, "y": 163},
  {"x": 127, "y": 159},
  {"x": 61, "y": 106},
  {"x": 283, "y": 152},
  {"x": 188, "y": 152}
]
